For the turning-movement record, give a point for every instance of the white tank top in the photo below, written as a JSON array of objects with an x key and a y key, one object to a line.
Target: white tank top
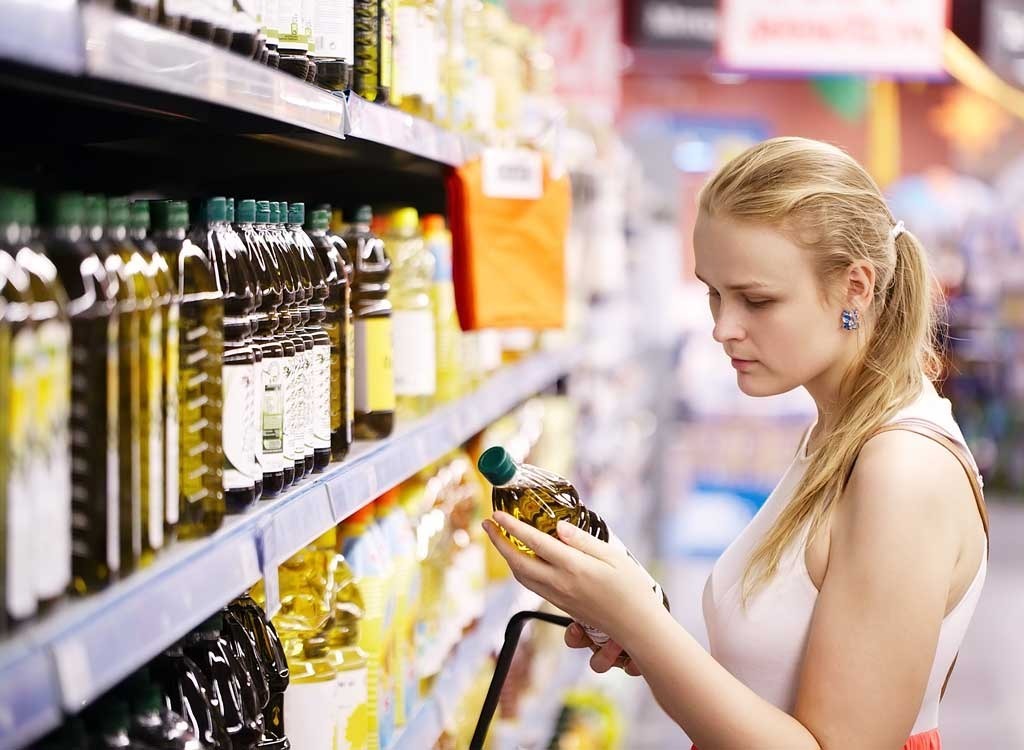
[{"x": 763, "y": 645}]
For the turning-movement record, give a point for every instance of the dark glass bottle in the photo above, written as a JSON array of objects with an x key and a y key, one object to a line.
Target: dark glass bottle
[
  {"x": 201, "y": 505},
  {"x": 303, "y": 344},
  {"x": 92, "y": 302},
  {"x": 238, "y": 397},
  {"x": 371, "y": 312},
  {"x": 270, "y": 653},
  {"x": 153, "y": 724},
  {"x": 331, "y": 251},
  {"x": 319, "y": 436},
  {"x": 269, "y": 397}
]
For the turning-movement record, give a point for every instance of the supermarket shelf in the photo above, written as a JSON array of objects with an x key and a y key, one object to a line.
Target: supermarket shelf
[
  {"x": 394, "y": 128},
  {"x": 433, "y": 715},
  {"x": 87, "y": 646}
]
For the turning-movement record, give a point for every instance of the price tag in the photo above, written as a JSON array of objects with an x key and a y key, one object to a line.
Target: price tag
[{"x": 516, "y": 173}]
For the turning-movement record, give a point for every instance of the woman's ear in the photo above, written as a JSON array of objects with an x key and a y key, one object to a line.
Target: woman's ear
[{"x": 860, "y": 285}]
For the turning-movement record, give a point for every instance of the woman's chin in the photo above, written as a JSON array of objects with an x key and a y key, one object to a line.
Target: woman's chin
[{"x": 760, "y": 385}]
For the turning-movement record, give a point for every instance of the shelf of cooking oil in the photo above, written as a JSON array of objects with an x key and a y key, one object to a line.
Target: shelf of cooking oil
[
  {"x": 429, "y": 77},
  {"x": 199, "y": 403}
]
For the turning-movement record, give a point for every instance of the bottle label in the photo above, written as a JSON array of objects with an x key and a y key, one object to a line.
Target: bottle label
[
  {"x": 405, "y": 73},
  {"x": 256, "y": 423},
  {"x": 155, "y": 431},
  {"x": 375, "y": 377},
  {"x": 21, "y": 601},
  {"x": 308, "y": 707},
  {"x": 289, "y": 26},
  {"x": 113, "y": 477},
  {"x": 350, "y": 369},
  {"x": 239, "y": 402},
  {"x": 351, "y": 686},
  {"x": 308, "y": 402},
  {"x": 273, "y": 415},
  {"x": 599, "y": 637},
  {"x": 269, "y": 15},
  {"x": 53, "y": 482},
  {"x": 334, "y": 32},
  {"x": 171, "y": 412},
  {"x": 321, "y": 403},
  {"x": 429, "y": 51},
  {"x": 308, "y": 23},
  {"x": 415, "y": 358},
  {"x": 291, "y": 396},
  {"x": 385, "y": 47}
]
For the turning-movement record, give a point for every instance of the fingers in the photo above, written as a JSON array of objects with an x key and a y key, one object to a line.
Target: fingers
[
  {"x": 605, "y": 658},
  {"x": 576, "y": 637},
  {"x": 544, "y": 545},
  {"x": 632, "y": 669},
  {"x": 530, "y": 571},
  {"x": 584, "y": 542}
]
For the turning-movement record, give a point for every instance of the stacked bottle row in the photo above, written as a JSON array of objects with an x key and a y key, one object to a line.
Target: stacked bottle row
[
  {"x": 461, "y": 63},
  {"x": 157, "y": 373},
  {"x": 368, "y": 614},
  {"x": 222, "y": 687}
]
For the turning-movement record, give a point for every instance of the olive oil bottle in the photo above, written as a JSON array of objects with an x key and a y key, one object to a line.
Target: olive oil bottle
[
  {"x": 332, "y": 254},
  {"x": 371, "y": 312},
  {"x": 269, "y": 397},
  {"x": 267, "y": 215},
  {"x": 238, "y": 395},
  {"x": 49, "y": 414},
  {"x": 303, "y": 339},
  {"x": 104, "y": 238},
  {"x": 542, "y": 499},
  {"x": 18, "y": 349},
  {"x": 150, "y": 304},
  {"x": 92, "y": 303},
  {"x": 310, "y": 700},
  {"x": 170, "y": 314},
  {"x": 200, "y": 499},
  {"x": 319, "y": 436}
]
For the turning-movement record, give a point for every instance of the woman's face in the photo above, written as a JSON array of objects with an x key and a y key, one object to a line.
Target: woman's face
[{"x": 770, "y": 315}]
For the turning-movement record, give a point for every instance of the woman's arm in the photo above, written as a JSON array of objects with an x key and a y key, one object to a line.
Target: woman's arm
[{"x": 872, "y": 638}]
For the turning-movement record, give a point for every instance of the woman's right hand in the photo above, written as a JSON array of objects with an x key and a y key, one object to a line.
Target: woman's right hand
[{"x": 605, "y": 657}]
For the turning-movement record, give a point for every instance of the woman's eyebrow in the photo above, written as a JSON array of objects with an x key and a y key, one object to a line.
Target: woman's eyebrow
[{"x": 743, "y": 287}]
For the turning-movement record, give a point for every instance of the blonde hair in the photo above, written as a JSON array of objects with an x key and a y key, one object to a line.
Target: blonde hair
[{"x": 824, "y": 201}]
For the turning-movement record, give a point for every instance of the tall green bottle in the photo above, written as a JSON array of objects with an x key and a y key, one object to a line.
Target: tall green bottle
[
  {"x": 18, "y": 349},
  {"x": 201, "y": 505},
  {"x": 150, "y": 305},
  {"x": 267, "y": 217},
  {"x": 331, "y": 252},
  {"x": 269, "y": 397},
  {"x": 105, "y": 239},
  {"x": 170, "y": 315},
  {"x": 318, "y": 437},
  {"x": 92, "y": 303},
  {"x": 213, "y": 233},
  {"x": 48, "y": 423}
]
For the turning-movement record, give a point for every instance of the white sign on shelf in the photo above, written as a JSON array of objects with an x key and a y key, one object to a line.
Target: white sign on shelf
[
  {"x": 513, "y": 173},
  {"x": 889, "y": 37}
]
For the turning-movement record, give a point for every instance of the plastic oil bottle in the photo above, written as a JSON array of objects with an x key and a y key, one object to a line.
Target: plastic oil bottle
[
  {"x": 48, "y": 417},
  {"x": 170, "y": 310},
  {"x": 269, "y": 395},
  {"x": 542, "y": 499},
  {"x": 412, "y": 274},
  {"x": 201, "y": 505},
  {"x": 310, "y": 700},
  {"x": 92, "y": 303},
  {"x": 371, "y": 312},
  {"x": 267, "y": 214},
  {"x": 367, "y": 560},
  {"x": 105, "y": 239},
  {"x": 304, "y": 298},
  {"x": 17, "y": 380},
  {"x": 319, "y": 437},
  {"x": 331, "y": 255},
  {"x": 446, "y": 320},
  {"x": 238, "y": 395},
  {"x": 253, "y": 441},
  {"x": 149, "y": 303},
  {"x": 385, "y": 49},
  {"x": 390, "y": 674}
]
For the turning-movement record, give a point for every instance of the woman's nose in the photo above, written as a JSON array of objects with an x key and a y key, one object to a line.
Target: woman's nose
[{"x": 727, "y": 327}]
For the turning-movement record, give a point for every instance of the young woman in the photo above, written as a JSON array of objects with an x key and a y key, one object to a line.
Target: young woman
[{"x": 834, "y": 619}]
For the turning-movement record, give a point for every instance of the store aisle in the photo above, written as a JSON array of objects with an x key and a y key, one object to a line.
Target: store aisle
[{"x": 983, "y": 705}]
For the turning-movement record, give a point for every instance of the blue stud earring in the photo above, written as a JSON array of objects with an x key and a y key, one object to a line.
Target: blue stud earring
[{"x": 851, "y": 319}]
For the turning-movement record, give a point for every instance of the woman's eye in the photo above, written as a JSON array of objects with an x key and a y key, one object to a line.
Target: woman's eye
[{"x": 757, "y": 304}]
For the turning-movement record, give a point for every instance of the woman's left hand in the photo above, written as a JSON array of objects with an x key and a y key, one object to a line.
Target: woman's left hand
[{"x": 592, "y": 581}]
